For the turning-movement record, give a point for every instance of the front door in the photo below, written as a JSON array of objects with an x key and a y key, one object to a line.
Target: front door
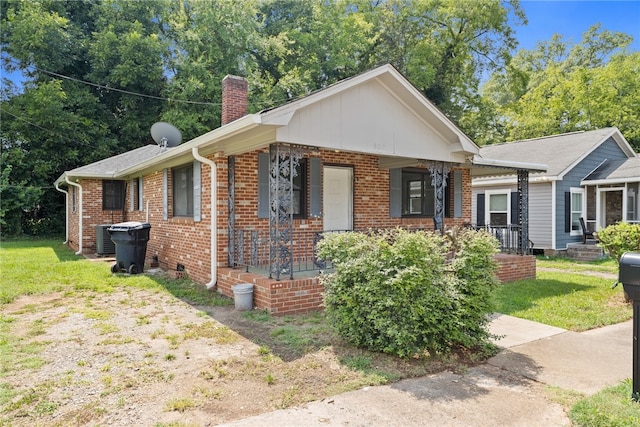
[
  {"x": 337, "y": 185},
  {"x": 610, "y": 206}
]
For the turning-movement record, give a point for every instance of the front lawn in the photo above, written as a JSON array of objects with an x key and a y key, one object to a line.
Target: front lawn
[
  {"x": 38, "y": 267},
  {"x": 572, "y": 301}
]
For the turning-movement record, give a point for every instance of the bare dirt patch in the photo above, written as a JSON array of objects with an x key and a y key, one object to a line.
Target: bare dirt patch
[{"x": 144, "y": 357}]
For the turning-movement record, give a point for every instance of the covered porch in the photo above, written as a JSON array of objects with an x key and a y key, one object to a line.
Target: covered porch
[{"x": 612, "y": 194}]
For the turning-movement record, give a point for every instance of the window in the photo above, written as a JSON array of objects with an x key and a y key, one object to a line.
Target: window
[
  {"x": 631, "y": 205},
  {"x": 418, "y": 195},
  {"x": 498, "y": 208},
  {"x": 112, "y": 195},
  {"x": 74, "y": 198},
  {"x": 576, "y": 210},
  {"x": 182, "y": 190},
  {"x": 300, "y": 190},
  {"x": 136, "y": 199}
]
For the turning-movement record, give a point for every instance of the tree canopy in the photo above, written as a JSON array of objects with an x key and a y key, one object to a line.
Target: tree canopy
[
  {"x": 98, "y": 73},
  {"x": 561, "y": 87}
]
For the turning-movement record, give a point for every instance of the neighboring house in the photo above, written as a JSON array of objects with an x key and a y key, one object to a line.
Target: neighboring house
[
  {"x": 368, "y": 152},
  {"x": 594, "y": 175}
]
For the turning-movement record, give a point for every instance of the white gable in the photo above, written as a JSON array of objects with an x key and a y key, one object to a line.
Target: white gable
[{"x": 368, "y": 118}]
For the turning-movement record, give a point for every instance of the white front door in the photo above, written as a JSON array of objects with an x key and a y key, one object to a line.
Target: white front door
[{"x": 337, "y": 188}]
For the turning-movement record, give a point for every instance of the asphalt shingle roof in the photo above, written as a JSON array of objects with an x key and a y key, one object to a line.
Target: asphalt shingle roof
[
  {"x": 558, "y": 152},
  {"x": 114, "y": 164},
  {"x": 617, "y": 170}
]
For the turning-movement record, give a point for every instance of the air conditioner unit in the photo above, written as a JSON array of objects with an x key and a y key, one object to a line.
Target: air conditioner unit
[{"x": 104, "y": 245}]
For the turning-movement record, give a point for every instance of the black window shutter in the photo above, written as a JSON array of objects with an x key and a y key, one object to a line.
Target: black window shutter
[
  {"x": 567, "y": 212},
  {"x": 515, "y": 208},
  {"x": 480, "y": 210},
  {"x": 263, "y": 185},
  {"x": 395, "y": 193}
]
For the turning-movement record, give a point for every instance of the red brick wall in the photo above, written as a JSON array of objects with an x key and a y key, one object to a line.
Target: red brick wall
[
  {"x": 185, "y": 241},
  {"x": 92, "y": 215},
  {"x": 234, "y": 98},
  {"x": 371, "y": 195},
  {"x": 515, "y": 267}
]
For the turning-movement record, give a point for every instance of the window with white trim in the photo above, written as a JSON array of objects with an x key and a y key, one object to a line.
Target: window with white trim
[
  {"x": 497, "y": 208},
  {"x": 577, "y": 198},
  {"x": 632, "y": 214}
]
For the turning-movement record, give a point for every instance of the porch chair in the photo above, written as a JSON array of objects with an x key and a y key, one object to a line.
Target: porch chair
[{"x": 586, "y": 234}]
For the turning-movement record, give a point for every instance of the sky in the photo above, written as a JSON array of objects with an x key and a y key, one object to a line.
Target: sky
[{"x": 572, "y": 18}]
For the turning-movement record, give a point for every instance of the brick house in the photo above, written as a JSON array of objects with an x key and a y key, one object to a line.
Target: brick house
[{"x": 367, "y": 152}]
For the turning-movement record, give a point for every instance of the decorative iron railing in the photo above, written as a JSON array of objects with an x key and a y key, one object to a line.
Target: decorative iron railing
[
  {"x": 508, "y": 237},
  {"x": 252, "y": 249}
]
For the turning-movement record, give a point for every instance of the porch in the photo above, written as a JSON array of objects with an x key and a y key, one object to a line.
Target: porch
[{"x": 295, "y": 287}]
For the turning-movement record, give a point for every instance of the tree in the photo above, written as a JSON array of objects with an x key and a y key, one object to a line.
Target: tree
[
  {"x": 558, "y": 88},
  {"x": 445, "y": 46},
  {"x": 63, "y": 116},
  {"x": 211, "y": 39}
]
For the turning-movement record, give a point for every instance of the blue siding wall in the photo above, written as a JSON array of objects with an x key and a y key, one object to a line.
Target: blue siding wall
[{"x": 609, "y": 150}]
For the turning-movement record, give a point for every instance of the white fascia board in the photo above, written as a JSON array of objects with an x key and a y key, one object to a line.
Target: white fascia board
[
  {"x": 509, "y": 180},
  {"x": 609, "y": 181},
  {"x": 531, "y": 167},
  {"x": 73, "y": 177}
]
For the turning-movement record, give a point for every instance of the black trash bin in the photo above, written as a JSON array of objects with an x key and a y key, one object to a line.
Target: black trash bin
[{"x": 131, "y": 240}]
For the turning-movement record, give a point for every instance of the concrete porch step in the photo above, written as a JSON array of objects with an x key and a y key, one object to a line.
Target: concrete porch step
[{"x": 588, "y": 252}]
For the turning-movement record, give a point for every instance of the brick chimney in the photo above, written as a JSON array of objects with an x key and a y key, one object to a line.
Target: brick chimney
[{"x": 234, "y": 98}]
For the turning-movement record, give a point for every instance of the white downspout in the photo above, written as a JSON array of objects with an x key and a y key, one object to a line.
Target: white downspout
[
  {"x": 214, "y": 216},
  {"x": 75, "y": 184},
  {"x": 66, "y": 213}
]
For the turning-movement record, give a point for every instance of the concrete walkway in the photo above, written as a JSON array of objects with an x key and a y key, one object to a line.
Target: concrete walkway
[{"x": 509, "y": 390}]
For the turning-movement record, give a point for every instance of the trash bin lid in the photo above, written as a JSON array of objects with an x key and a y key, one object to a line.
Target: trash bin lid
[{"x": 129, "y": 225}]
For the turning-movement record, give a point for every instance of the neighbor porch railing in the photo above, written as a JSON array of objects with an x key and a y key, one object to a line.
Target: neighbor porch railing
[
  {"x": 252, "y": 249},
  {"x": 508, "y": 237}
]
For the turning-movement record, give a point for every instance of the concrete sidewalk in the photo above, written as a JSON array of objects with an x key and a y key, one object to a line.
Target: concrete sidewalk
[{"x": 509, "y": 390}]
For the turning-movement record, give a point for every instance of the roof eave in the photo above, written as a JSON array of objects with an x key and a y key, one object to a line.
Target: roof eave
[{"x": 508, "y": 164}]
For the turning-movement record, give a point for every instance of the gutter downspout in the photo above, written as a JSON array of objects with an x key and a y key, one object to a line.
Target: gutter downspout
[
  {"x": 75, "y": 184},
  {"x": 214, "y": 216},
  {"x": 66, "y": 213}
]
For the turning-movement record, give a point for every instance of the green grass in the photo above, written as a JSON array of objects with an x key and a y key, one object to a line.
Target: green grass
[
  {"x": 33, "y": 267},
  {"x": 611, "y": 407},
  {"x": 571, "y": 301},
  {"x": 605, "y": 265}
]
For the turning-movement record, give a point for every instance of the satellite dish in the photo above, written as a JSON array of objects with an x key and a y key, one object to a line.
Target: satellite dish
[{"x": 165, "y": 135}]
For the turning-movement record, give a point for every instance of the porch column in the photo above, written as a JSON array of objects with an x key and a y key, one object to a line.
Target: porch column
[
  {"x": 523, "y": 211},
  {"x": 284, "y": 160},
  {"x": 439, "y": 172},
  {"x": 231, "y": 206}
]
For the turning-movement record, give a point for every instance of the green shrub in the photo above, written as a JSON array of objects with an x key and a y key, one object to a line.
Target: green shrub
[
  {"x": 406, "y": 293},
  {"x": 619, "y": 238}
]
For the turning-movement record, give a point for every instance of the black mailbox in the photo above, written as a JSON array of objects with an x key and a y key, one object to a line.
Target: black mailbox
[{"x": 629, "y": 274}]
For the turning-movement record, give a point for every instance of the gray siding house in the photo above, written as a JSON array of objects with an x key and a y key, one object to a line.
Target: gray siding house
[{"x": 593, "y": 175}]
